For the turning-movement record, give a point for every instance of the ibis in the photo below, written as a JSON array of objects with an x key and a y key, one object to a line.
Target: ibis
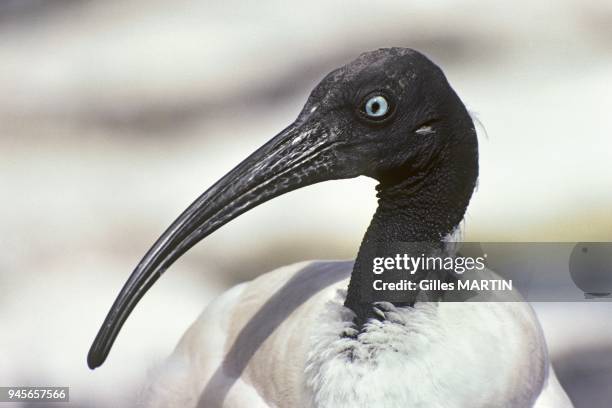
[{"x": 306, "y": 335}]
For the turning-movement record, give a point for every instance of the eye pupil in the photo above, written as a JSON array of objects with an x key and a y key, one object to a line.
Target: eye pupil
[{"x": 376, "y": 107}]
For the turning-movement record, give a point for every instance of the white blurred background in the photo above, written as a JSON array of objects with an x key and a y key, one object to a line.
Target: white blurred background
[{"x": 115, "y": 115}]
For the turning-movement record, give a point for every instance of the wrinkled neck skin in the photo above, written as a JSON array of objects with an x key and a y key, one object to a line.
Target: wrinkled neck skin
[{"x": 424, "y": 208}]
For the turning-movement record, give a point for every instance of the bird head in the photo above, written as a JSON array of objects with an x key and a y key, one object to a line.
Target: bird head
[
  {"x": 387, "y": 110},
  {"x": 388, "y": 115}
]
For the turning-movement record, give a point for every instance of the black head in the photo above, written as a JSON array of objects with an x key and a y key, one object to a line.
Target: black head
[
  {"x": 390, "y": 114},
  {"x": 389, "y": 111}
]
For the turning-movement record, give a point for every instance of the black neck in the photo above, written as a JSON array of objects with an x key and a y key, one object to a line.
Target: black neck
[{"x": 420, "y": 206}]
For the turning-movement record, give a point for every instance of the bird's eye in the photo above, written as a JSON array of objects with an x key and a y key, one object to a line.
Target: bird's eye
[{"x": 376, "y": 108}]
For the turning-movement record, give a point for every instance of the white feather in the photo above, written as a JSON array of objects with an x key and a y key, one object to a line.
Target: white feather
[{"x": 286, "y": 340}]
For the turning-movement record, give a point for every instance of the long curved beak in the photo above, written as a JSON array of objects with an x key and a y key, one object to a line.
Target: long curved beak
[{"x": 300, "y": 155}]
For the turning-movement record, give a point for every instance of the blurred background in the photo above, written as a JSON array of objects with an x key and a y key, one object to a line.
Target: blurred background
[{"x": 115, "y": 115}]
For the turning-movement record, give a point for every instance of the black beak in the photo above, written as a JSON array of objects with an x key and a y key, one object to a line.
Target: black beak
[{"x": 300, "y": 155}]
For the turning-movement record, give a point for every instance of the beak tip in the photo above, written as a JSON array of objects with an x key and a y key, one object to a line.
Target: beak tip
[
  {"x": 93, "y": 361},
  {"x": 95, "y": 357}
]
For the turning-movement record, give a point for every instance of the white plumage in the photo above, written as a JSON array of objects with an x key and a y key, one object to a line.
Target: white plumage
[{"x": 277, "y": 342}]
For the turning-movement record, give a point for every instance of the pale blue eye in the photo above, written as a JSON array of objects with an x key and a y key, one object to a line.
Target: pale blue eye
[{"x": 376, "y": 106}]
